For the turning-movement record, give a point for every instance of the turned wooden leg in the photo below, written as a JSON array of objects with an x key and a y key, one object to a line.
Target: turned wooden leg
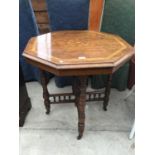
[
  {"x": 107, "y": 92},
  {"x": 75, "y": 90},
  {"x": 45, "y": 91},
  {"x": 81, "y": 98}
]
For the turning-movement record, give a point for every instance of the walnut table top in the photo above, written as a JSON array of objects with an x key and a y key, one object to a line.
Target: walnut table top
[{"x": 78, "y": 52}]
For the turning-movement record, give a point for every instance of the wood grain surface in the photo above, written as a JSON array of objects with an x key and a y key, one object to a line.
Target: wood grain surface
[{"x": 78, "y": 49}]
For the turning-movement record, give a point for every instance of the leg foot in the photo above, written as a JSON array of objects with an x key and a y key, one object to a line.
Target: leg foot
[
  {"x": 79, "y": 137},
  {"x": 47, "y": 104},
  {"x": 105, "y": 108},
  {"x": 81, "y": 130},
  {"x": 47, "y": 111}
]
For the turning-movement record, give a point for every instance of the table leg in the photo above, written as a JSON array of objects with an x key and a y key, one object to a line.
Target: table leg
[
  {"x": 75, "y": 89},
  {"x": 107, "y": 92},
  {"x": 45, "y": 91},
  {"x": 80, "y": 102}
]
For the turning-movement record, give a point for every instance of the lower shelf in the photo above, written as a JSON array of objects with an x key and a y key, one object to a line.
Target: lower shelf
[{"x": 70, "y": 97}]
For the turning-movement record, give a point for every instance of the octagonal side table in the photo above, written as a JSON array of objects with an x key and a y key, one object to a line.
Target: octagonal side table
[{"x": 79, "y": 54}]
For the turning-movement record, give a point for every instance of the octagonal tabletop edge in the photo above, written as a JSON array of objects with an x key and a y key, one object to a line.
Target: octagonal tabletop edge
[{"x": 78, "y": 49}]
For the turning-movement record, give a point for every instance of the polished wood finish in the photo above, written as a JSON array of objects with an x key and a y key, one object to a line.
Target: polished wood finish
[
  {"x": 65, "y": 50},
  {"x": 68, "y": 72},
  {"x": 96, "y": 9}
]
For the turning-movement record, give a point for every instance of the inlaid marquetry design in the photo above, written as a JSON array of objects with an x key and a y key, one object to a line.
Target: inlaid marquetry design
[{"x": 75, "y": 48}]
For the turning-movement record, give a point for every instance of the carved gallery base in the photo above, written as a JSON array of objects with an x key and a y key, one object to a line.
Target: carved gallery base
[{"x": 79, "y": 97}]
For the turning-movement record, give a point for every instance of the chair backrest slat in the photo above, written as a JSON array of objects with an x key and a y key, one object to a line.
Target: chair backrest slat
[
  {"x": 40, "y": 10},
  {"x": 95, "y": 14}
]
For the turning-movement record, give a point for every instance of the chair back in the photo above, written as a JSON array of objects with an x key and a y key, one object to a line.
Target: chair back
[{"x": 53, "y": 15}]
